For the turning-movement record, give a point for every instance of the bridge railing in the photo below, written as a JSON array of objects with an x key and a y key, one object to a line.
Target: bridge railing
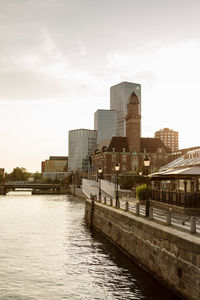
[{"x": 89, "y": 187}]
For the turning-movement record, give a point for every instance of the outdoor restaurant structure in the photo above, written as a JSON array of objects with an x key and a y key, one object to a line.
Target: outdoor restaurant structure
[{"x": 177, "y": 185}]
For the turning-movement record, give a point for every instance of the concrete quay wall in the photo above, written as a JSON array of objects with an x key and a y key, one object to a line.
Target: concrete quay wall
[{"x": 172, "y": 256}]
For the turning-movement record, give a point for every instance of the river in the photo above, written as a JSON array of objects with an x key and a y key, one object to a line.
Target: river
[{"x": 48, "y": 253}]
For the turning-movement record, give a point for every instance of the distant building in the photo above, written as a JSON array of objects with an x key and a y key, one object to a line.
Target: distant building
[
  {"x": 169, "y": 138},
  {"x": 105, "y": 122},
  {"x": 55, "y": 168},
  {"x": 130, "y": 151},
  {"x": 81, "y": 143},
  {"x": 119, "y": 95},
  {"x": 55, "y": 164}
]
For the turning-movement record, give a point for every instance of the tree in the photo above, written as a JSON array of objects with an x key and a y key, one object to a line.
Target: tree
[
  {"x": 1, "y": 178},
  {"x": 37, "y": 176},
  {"x": 18, "y": 174}
]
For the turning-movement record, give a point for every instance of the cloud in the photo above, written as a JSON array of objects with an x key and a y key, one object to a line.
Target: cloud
[{"x": 43, "y": 73}]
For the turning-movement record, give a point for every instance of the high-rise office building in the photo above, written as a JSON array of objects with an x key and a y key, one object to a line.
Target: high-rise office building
[
  {"x": 81, "y": 144},
  {"x": 119, "y": 95},
  {"x": 169, "y": 138},
  {"x": 105, "y": 124}
]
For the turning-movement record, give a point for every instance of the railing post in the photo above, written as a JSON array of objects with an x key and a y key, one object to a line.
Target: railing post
[
  {"x": 168, "y": 218},
  {"x": 111, "y": 202},
  {"x": 118, "y": 203},
  {"x": 104, "y": 200},
  {"x": 193, "y": 225},
  {"x": 91, "y": 196},
  {"x": 137, "y": 209},
  {"x": 126, "y": 206},
  {"x": 151, "y": 213}
]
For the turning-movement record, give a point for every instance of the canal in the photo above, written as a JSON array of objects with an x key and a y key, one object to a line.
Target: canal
[{"x": 48, "y": 253}]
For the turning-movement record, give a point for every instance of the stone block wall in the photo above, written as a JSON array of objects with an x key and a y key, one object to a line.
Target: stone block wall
[{"x": 172, "y": 256}]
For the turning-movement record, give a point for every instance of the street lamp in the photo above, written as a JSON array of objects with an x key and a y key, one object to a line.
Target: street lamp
[
  {"x": 147, "y": 164},
  {"x": 117, "y": 167},
  {"x": 100, "y": 172},
  {"x": 140, "y": 173}
]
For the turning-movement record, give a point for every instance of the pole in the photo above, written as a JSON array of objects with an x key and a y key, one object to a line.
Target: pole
[
  {"x": 117, "y": 196},
  {"x": 99, "y": 189},
  {"x": 147, "y": 196}
]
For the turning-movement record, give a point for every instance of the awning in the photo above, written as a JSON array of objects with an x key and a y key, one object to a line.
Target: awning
[{"x": 180, "y": 173}]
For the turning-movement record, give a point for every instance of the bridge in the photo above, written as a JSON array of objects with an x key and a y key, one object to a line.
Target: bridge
[{"x": 35, "y": 188}]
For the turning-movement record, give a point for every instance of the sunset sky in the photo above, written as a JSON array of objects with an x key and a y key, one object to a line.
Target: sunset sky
[{"x": 59, "y": 58}]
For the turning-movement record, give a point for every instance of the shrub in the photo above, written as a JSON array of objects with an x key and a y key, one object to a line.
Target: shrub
[{"x": 141, "y": 192}]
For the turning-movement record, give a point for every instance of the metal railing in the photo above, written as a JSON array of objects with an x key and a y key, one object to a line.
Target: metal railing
[{"x": 189, "y": 223}]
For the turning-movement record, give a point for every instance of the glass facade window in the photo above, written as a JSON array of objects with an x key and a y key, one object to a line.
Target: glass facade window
[
  {"x": 80, "y": 146},
  {"x": 105, "y": 122}
]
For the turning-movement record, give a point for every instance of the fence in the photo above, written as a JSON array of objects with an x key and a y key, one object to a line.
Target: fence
[
  {"x": 179, "y": 198},
  {"x": 189, "y": 223}
]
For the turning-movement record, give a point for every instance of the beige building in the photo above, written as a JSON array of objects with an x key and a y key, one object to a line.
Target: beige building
[
  {"x": 55, "y": 164},
  {"x": 169, "y": 137}
]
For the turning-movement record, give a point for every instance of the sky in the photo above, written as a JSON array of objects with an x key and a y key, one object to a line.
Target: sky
[{"x": 59, "y": 58}]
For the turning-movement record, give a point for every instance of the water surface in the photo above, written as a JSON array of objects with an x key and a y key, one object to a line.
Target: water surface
[{"x": 48, "y": 253}]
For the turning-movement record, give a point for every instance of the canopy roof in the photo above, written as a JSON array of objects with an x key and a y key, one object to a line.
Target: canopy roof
[{"x": 181, "y": 173}]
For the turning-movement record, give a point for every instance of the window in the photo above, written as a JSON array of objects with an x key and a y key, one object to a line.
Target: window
[
  {"x": 124, "y": 158},
  {"x": 113, "y": 158}
]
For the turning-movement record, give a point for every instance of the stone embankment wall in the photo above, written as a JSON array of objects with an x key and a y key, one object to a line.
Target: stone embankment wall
[{"x": 172, "y": 256}]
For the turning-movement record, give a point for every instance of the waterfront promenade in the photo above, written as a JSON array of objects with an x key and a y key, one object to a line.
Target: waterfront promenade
[{"x": 168, "y": 248}]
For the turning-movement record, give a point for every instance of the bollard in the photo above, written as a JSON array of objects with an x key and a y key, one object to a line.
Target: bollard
[
  {"x": 118, "y": 206},
  {"x": 126, "y": 206},
  {"x": 137, "y": 209},
  {"x": 193, "y": 225},
  {"x": 91, "y": 196},
  {"x": 150, "y": 213},
  {"x": 168, "y": 218},
  {"x": 111, "y": 202},
  {"x": 104, "y": 200}
]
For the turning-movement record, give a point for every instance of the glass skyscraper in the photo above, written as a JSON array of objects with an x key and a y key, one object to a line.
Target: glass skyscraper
[
  {"x": 81, "y": 144},
  {"x": 119, "y": 95},
  {"x": 105, "y": 122}
]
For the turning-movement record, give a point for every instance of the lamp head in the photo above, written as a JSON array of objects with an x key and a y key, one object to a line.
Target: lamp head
[
  {"x": 147, "y": 161},
  {"x": 100, "y": 170},
  {"x": 117, "y": 167}
]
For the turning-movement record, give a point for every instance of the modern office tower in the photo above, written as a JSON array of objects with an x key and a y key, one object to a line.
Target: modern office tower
[
  {"x": 81, "y": 144},
  {"x": 169, "y": 138},
  {"x": 119, "y": 95},
  {"x": 105, "y": 124}
]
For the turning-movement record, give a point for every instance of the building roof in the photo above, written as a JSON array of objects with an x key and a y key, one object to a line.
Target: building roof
[
  {"x": 152, "y": 144},
  {"x": 58, "y": 157},
  {"x": 133, "y": 99},
  {"x": 176, "y": 173},
  {"x": 189, "y": 159},
  {"x": 116, "y": 142}
]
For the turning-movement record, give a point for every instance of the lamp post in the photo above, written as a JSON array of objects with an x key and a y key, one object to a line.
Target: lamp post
[
  {"x": 117, "y": 167},
  {"x": 147, "y": 164},
  {"x": 100, "y": 173},
  {"x": 140, "y": 173}
]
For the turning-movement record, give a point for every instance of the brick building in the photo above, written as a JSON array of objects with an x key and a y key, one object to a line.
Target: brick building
[
  {"x": 169, "y": 138},
  {"x": 129, "y": 151}
]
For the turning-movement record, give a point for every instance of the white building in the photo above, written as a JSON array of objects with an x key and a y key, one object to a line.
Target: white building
[
  {"x": 119, "y": 95},
  {"x": 105, "y": 122},
  {"x": 81, "y": 143}
]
